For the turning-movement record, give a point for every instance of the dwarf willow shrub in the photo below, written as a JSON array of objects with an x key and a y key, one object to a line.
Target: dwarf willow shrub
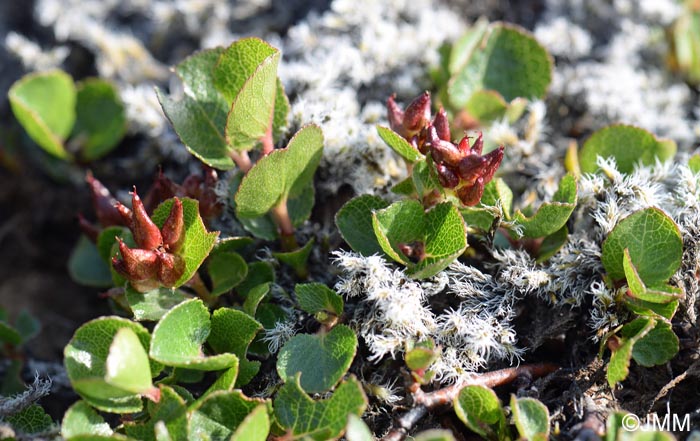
[{"x": 200, "y": 317}]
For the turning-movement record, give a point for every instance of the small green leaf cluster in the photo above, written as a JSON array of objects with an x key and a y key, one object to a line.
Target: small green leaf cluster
[
  {"x": 481, "y": 411},
  {"x": 491, "y": 72},
  {"x": 114, "y": 364},
  {"x": 644, "y": 250},
  {"x": 82, "y": 121}
]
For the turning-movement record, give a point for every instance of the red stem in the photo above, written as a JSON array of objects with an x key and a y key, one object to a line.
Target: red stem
[
  {"x": 267, "y": 142},
  {"x": 242, "y": 160}
]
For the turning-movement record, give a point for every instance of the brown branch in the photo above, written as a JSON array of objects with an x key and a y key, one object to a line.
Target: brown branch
[{"x": 427, "y": 401}]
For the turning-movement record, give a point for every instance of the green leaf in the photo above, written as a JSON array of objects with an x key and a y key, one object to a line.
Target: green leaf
[
  {"x": 434, "y": 435},
  {"x": 551, "y": 216},
  {"x": 100, "y": 122},
  {"x": 27, "y": 325},
  {"x": 255, "y": 296},
  {"x": 404, "y": 188},
  {"x": 317, "y": 297},
  {"x": 321, "y": 420},
  {"x": 219, "y": 415},
  {"x": 654, "y": 243},
  {"x": 258, "y": 273},
  {"x": 618, "y": 366},
  {"x": 425, "y": 177},
  {"x": 462, "y": 49},
  {"x": 169, "y": 411},
  {"x": 498, "y": 191},
  {"x": 9, "y": 334},
  {"x": 357, "y": 430},
  {"x": 321, "y": 359},
  {"x": 297, "y": 259},
  {"x": 654, "y": 310},
  {"x": 629, "y": 145},
  {"x": 255, "y": 426},
  {"x": 179, "y": 335},
  {"x": 198, "y": 242},
  {"x": 152, "y": 305},
  {"x": 441, "y": 230},
  {"x": 354, "y": 222},
  {"x": 399, "y": 144},
  {"x": 44, "y": 103},
  {"x": 508, "y": 60},
  {"x": 552, "y": 244},
  {"x": 531, "y": 418},
  {"x": 279, "y": 118},
  {"x": 87, "y": 267},
  {"x": 639, "y": 290},
  {"x": 480, "y": 410},
  {"x": 656, "y": 347},
  {"x": 694, "y": 163},
  {"x": 226, "y": 270},
  {"x": 486, "y": 105},
  {"x": 246, "y": 75},
  {"x": 199, "y": 116},
  {"x": 420, "y": 358},
  {"x": 81, "y": 419},
  {"x": 232, "y": 244},
  {"x": 107, "y": 238},
  {"x": 30, "y": 420},
  {"x": 85, "y": 358},
  {"x": 127, "y": 366},
  {"x": 232, "y": 331},
  {"x": 282, "y": 174}
]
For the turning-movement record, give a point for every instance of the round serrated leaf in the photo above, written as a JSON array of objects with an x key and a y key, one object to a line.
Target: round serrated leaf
[
  {"x": 629, "y": 145},
  {"x": 282, "y": 174},
  {"x": 152, "y": 305},
  {"x": 33, "y": 419},
  {"x": 44, "y": 103},
  {"x": 319, "y": 420},
  {"x": 486, "y": 105},
  {"x": 480, "y": 410},
  {"x": 86, "y": 267},
  {"x": 85, "y": 358},
  {"x": 100, "y": 118},
  {"x": 354, "y": 221},
  {"x": 127, "y": 363},
  {"x": 531, "y": 418},
  {"x": 255, "y": 426},
  {"x": 399, "y": 144},
  {"x": 321, "y": 359},
  {"x": 507, "y": 60},
  {"x": 179, "y": 335},
  {"x": 232, "y": 331},
  {"x": 198, "y": 241},
  {"x": 317, "y": 297},
  {"x": 199, "y": 115},
  {"x": 551, "y": 216},
  {"x": 618, "y": 366},
  {"x": 654, "y": 243},
  {"x": 656, "y": 347},
  {"x": 81, "y": 419},
  {"x": 220, "y": 414},
  {"x": 226, "y": 270}
]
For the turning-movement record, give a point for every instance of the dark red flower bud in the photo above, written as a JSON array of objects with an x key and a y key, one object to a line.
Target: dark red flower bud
[
  {"x": 470, "y": 195},
  {"x": 126, "y": 214},
  {"x": 394, "y": 114},
  {"x": 192, "y": 186},
  {"x": 136, "y": 264},
  {"x": 470, "y": 168},
  {"x": 447, "y": 177},
  {"x": 88, "y": 229},
  {"x": 463, "y": 146},
  {"x": 170, "y": 268},
  {"x": 444, "y": 152},
  {"x": 417, "y": 113},
  {"x": 493, "y": 161},
  {"x": 162, "y": 189},
  {"x": 173, "y": 227},
  {"x": 103, "y": 202},
  {"x": 415, "y": 251},
  {"x": 146, "y": 233},
  {"x": 478, "y": 146},
  {"x": 442, "y": 125}
]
